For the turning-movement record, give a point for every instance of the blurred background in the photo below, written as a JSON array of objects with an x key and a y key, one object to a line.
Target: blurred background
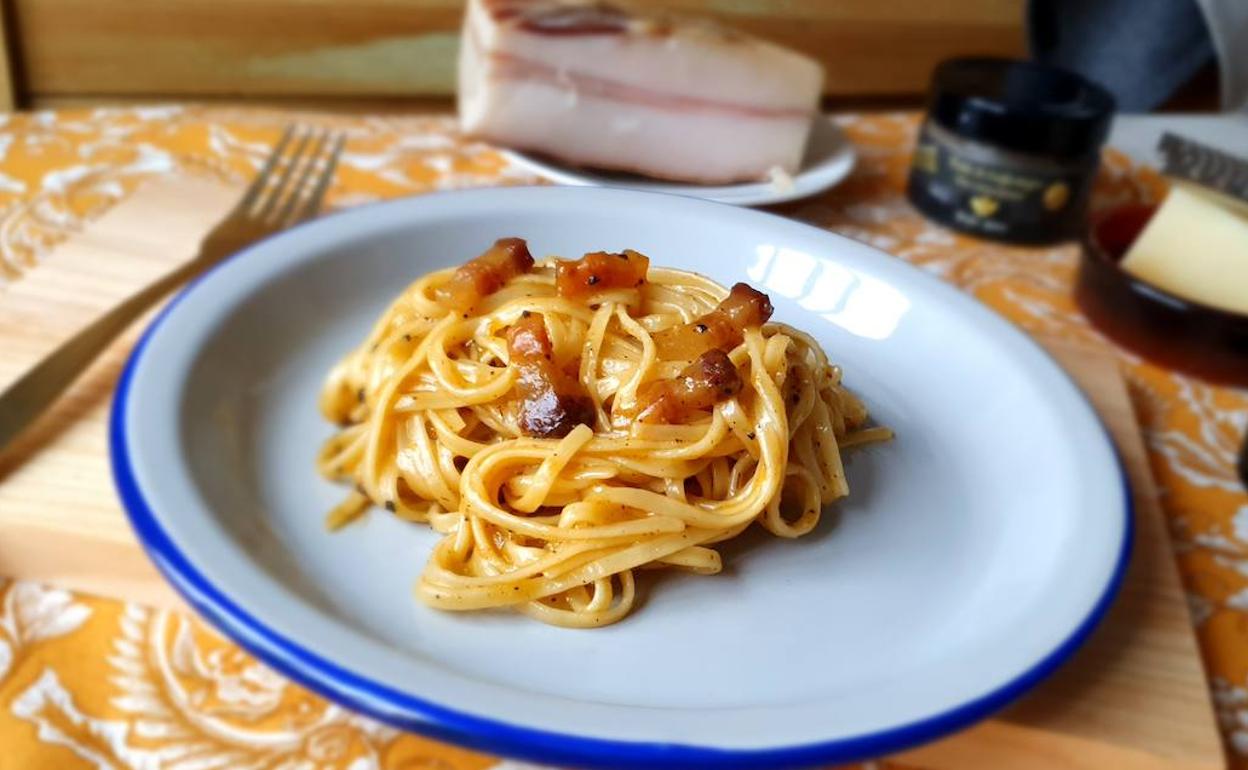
[{"x": 400, "y": 54}]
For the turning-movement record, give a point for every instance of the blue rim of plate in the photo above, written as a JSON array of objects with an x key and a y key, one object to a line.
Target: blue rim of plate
[{"x": 409, "y": 712}]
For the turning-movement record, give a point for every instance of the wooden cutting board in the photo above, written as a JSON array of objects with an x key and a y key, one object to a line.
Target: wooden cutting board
[{"x": 1134, "y": 697}]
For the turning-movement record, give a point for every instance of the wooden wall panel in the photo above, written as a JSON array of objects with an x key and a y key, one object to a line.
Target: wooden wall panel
[
  {"x": 8, "y": 91},
  {"x": 362, "y": 48}
]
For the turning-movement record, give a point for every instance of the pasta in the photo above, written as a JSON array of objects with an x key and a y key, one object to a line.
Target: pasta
[{"x": 565, "y": 424}]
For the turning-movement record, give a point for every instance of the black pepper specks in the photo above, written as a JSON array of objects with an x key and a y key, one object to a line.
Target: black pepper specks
[
  {"x": 525, "y": 314},
  {"x": 592, "y": 280},
  {"x": 390, "y": 506},
  {"x": 700, "y": 328},
  {"x": 359, "y": 395}
]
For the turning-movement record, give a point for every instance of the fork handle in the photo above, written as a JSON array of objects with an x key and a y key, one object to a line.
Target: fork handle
[{"x": 35, "y": 390}]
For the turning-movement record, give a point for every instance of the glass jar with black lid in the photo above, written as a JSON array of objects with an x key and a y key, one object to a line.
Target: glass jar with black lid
[{"x": 1009, "y": 149}]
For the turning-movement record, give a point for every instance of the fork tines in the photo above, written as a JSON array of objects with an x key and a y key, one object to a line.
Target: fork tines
[{"x": 294, "y": 178}]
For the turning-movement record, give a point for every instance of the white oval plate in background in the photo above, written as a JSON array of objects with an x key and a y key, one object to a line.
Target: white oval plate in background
[
  {"x": 974, "y": 554},
  {"x": 828, "y": 160}
]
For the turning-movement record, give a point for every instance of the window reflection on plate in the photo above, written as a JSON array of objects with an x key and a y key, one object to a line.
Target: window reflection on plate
[{"x": 859, "y": 304}]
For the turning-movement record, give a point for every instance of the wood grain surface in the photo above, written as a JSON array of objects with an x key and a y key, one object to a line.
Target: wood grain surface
[
  {"x": 1134, "y": 697},
  {"x": 407, "y": 48}
]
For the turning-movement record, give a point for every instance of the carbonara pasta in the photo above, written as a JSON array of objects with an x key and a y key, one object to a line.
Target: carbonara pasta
[{"x": 564, "y": 424}]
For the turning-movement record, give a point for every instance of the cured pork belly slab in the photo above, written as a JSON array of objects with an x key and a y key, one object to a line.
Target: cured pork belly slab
[{"x": 592, "y": 84}]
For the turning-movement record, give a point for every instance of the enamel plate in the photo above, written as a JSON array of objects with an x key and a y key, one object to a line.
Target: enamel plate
[
  {"x": 829, "y": 159},
  {"x": 974, "y": 554}
]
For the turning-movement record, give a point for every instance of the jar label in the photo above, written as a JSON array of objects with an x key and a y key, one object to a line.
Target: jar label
[{"x": 981, "y": 189}]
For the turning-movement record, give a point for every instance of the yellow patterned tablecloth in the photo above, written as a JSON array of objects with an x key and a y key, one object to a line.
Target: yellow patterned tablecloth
[{"x": 91, "y": 683}]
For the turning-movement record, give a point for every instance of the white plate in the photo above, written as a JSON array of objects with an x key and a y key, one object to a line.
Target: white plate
[
  {"x": 973, "y": 555},
  {"x": 829, "y": 159}
]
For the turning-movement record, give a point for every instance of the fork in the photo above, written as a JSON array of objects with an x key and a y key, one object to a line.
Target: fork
[{"x": 288, "y": 189}]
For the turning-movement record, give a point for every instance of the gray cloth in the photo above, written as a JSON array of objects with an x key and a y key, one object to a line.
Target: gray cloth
[
  {"x": 1141, "y": 50},
  {"x": 1227, "y": 21}
]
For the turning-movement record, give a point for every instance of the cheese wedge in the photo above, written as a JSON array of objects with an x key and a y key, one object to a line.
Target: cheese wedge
[
  {"x": 592, "y": 84},
  {"x": 1195, "y": 246}
]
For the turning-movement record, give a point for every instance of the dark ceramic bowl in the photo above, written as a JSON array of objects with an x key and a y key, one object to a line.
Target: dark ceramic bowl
[{"x": 1174, "y": 332}]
